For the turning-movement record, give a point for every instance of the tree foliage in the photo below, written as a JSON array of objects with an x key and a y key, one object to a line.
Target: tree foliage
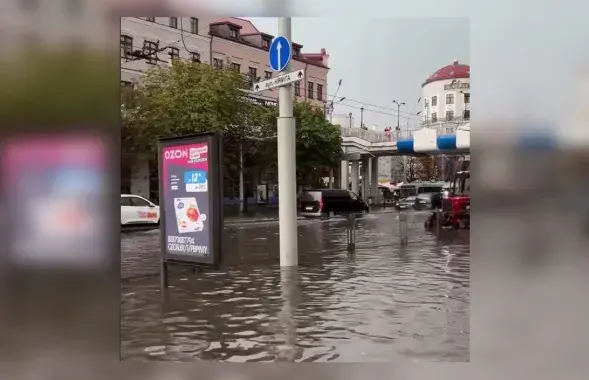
[
  {"x": 423, "y": 168},
  {"x": 188, "y": 98},
  {"x": 183, "y": 99},
  {"x": 318, "y": 144}
]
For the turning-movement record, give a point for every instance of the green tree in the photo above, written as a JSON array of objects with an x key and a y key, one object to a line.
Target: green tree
[
  {"x": 189, "y": 98},
  {"x": 318, "y": 144},
  {"x": 186, "y": 98}
]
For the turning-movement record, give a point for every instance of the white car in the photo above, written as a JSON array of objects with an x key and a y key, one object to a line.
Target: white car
[{"x": 138, "y": 210}]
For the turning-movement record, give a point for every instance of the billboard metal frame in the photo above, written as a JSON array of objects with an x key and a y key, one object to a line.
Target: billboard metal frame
[{"x": 215, "y": 198}]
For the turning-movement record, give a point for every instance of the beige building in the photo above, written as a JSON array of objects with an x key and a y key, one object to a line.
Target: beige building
[
  {"x": 229, "y": 42},
  {"x": 153, "y": 41},
  {"x": 237, "y": 43}
]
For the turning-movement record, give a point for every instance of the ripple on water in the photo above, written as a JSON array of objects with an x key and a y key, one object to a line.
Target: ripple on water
[{"x": 380, "y": 301}]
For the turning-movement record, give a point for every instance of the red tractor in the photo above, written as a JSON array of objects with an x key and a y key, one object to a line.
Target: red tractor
[{"x": 454, "y": 204}]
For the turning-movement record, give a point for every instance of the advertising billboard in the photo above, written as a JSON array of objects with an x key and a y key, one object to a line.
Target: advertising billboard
[{"x": 191, "y": 199}]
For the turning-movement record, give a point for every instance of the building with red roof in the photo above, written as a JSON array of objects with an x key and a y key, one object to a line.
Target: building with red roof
[{"x": 446, "y": 95}]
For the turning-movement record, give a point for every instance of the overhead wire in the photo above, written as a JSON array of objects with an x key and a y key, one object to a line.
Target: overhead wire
[{"x": 356, "y": 104}]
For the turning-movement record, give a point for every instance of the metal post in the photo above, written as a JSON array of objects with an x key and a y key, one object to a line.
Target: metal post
[
  {"x": 163, "y": 276},
  {"x": 241, "y": 181},
  {"x": 351, "y": 230},
  {"x": 403, "y": 228},
  {"x": 438, "y": 223},
  {"x": 287, "y": 182}
]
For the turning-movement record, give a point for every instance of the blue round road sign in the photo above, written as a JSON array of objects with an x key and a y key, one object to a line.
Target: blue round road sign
[{"x": 280, "y": 53}]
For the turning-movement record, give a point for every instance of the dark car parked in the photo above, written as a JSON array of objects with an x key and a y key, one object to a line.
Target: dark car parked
[{"x": 330, "y": 202}]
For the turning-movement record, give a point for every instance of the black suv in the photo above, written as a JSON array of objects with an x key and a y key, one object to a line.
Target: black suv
[{"x": 330, "y": 202}]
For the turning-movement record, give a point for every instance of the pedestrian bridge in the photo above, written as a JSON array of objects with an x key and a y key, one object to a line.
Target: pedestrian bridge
[{"x": 440, "y": 139}]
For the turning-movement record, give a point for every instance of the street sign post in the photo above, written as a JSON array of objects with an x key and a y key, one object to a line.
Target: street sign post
[
  {"x": 279, "y": 53},
  {"x": 279, "y": 81}
]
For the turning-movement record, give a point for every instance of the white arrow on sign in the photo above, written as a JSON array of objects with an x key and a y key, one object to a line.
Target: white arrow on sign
[
  {"x": 278, "y": 48},
  {"x": 279, "y": 81}
]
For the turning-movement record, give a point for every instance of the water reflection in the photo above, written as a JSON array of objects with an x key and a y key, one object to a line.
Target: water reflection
[{"x": 371, "y": 304}]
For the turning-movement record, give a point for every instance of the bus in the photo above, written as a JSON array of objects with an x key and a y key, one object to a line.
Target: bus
[{"x": 420, "y": 187}]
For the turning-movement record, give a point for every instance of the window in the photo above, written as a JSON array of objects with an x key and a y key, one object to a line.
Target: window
[
  {"x": 150, "y": 19},
  {"x": 319, "y": 92},
  {"x": 125, "y": 201},
  {"x": 310, "y": 90},
  {"x": 434, "y": 101},
  {"x": 126, "y": 46},
  {"x": 217, "y": 63},
  {"x": 297, "y": 87},
  {"x": 267, "y": 74},
  {"x": 265, "y": 43},
  {"x": 467, "y": 115},
  {"x": 236, "y": 66},
  {"x": 150, "y": 49},
  {"x": 193, "y": 25},
  {"x": 138, "y": 202},
  {"x": 174, "y": 53},
  {"x": 466, "y": 97},
  {"x": 296, "y": 51},
  {"x": 434, "y": 117},
  {"x": 253, "y": 74},
  {"x": 233, "y": 33},
  {"x": 449, "y": 98},
  {"x": 174, "y": 22},
  {"x": 195, "y": 57},
  {"x": 449, "y": 115}
]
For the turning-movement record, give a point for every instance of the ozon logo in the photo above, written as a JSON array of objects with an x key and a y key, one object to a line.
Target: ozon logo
[{"x": 176, "y": 153}]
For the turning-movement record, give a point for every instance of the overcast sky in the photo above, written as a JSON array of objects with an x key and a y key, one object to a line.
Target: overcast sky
[{"x": 379, "y": 60}]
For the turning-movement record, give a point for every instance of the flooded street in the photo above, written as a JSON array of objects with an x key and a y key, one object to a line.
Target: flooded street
[{"x": 380, "y": 301}]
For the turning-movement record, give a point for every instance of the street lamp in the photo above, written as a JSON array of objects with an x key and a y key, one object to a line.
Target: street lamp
[
  {"x": 398, "y": 113},
  {"x": 398, "y": 129}
]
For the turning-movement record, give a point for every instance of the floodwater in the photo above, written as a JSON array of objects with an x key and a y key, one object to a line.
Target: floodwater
[{"x": 373, "y": 304}]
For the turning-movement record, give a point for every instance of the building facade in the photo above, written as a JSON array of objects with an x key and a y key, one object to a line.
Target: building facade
[
  {"x": 238, "y": 44},
  {"x": 230, "y": 42},
  {"x": 446, "y": 96},
  {"x": 161, "y": 39},
  {"x": 148, "y": 42}
]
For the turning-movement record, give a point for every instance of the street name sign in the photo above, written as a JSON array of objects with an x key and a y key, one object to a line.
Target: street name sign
[
  {"x": 279, "y": 53},
  {"x": 279, "y": 81}
]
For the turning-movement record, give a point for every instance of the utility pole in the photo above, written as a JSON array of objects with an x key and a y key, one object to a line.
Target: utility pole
[
  {"x": 287, "y": 181},
  {"x": 350, "y": 114},
  {"x": 398, "y": 129},
  {"x": 362, "y": 117}
]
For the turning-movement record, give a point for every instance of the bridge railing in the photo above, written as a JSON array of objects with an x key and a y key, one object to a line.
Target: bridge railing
[
  {"x": 442, "y": 129},
  {"x": 375, "y": 136}
]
